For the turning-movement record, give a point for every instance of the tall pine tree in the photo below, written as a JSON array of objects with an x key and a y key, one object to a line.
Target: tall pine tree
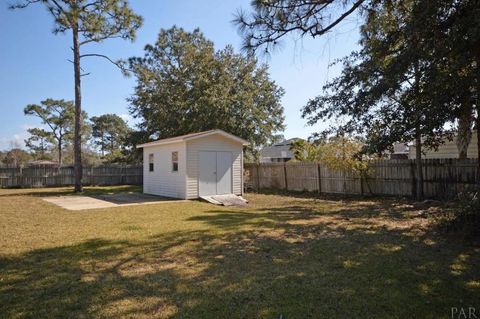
[{"x": 89, "y": 21}]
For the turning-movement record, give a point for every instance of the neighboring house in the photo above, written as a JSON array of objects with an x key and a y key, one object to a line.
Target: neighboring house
[
  {"x": 400, "y": 151},
  {"x": 194, "y": 165},
  {"x": 278, "y": 153},
  {"x": 447, "y": 150}
]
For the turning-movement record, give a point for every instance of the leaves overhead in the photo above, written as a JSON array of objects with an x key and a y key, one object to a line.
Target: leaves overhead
[
  {"x": 272, "y": 20},
  {"x": 438, "y": 41},
  {"x": 384, "y": 90}
]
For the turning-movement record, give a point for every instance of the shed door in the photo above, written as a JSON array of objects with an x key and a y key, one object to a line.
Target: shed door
[
  {"x": 208, "y": 173},
  {"x": 215, "y": 175},
  {"x": 224, "y": 173}
]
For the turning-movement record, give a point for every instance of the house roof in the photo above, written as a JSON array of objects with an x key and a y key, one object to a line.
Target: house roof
[
  {"x": 192, "y": 136},
  {"x": 279, "y": 150},
  {"x": 42, "y": 162}
]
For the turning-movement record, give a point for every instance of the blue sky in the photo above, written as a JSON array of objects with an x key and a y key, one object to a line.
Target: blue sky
[{"x": 34, "y": 62}]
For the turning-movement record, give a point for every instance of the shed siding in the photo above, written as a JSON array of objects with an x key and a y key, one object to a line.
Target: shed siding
[
  {"x": 448, "y": 150},
  {"x": 212, "y": 143},
  {"x": 162, "y": 181}
]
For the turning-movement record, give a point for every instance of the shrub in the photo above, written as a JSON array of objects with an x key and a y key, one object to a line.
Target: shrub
[{"x": 465, "y": 218}]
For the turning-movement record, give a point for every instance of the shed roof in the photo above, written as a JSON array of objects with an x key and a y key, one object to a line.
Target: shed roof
[{"x": 192, "y": 136}]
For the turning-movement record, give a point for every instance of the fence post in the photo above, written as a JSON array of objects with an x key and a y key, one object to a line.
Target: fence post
[
  {"x": 258, "y": 177},
  {"x": 414, "y": 182},
  {"x": 361, "y": 183},
  {"x": 21, "y": 179},
  {"x": 285, "y": 175},
  {"x": 319, "y": 178}
]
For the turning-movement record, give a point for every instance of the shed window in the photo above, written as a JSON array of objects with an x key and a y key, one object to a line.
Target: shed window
[
  {"x": 150, "y": 162},
  {"x": 174, "y": 161}
]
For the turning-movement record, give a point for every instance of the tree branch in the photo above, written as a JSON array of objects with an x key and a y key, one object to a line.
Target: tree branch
[
  {"x": 100, "y": 39},
  {"x": 73, "y": 62},
  {"x": 277, "y": 18},
  {"x": 23, "y": 5},
  {"x": 119, "y": 64}
]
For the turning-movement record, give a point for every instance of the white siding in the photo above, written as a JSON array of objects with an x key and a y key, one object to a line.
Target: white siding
[
  {"x": 162, "y": 181},
  {"x": 448, "y": 150},
  {"x": 213, "y": 143}
]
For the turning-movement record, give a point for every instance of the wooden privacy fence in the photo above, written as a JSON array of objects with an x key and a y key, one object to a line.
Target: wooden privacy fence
[
  {"x": 442, "y": 177},
  {"x": 46, "y": 176}
]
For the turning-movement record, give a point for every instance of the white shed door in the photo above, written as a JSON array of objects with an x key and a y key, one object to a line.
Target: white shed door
[
  {"x": 215, "y": 176},
  {"x": 224, "y": 173},
  {"x": 208, "y": 173}
]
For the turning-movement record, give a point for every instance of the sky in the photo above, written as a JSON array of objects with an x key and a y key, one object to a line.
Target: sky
[{"x": 34, "y": 62}]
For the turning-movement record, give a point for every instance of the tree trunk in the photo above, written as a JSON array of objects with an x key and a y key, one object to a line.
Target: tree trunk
[
  {"x": 77, "y": 138},
  {"x": 464, "y": 135},
  {"x": 418, "y": 135},
  {"x": 477, "y": 120},
  {"x": 103, "y": 145},
  {"x": 477, "y": 124},
  {"x": 418, "y": 162},
  {"x": 60, "y": 151}
]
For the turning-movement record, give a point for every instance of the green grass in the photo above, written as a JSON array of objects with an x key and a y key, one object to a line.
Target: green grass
[{"x": 288, "y": 256}]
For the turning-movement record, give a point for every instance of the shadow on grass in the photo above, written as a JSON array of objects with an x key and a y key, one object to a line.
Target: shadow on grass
[
  {"x": 66, "y": 191},
  {"x": 249, "y": 265},
  {"x": 316, "y": 195}
]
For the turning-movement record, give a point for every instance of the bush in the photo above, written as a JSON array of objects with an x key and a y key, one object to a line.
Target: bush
[{"x": 465, "y": 218}]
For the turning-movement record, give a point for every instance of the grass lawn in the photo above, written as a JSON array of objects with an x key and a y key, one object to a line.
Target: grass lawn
[{"x": 282, "y": 256}]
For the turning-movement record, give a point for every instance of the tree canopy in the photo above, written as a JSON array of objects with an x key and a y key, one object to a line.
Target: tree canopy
[
  {"x": 16, "y": 157},
  {"x": 58, "y": 118},
  {"x": 109, "y": 132},
  {"x": 40, "y": 143},
  {"x": 185, "y": 86},
  {"x": 338, "y": 152}
]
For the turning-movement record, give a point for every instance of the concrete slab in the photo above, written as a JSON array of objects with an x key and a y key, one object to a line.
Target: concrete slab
[
  {"x": 75, "y": 202},
  {"x": 78, "y": 202}
]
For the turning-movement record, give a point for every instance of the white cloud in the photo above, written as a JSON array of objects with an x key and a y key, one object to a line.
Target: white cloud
[
  {"x": 17, "y": 139},
  {"x": 128, "y": 119}
]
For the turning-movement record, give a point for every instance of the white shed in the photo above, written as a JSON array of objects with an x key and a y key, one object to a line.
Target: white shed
[{"x": 194, "y": 165}]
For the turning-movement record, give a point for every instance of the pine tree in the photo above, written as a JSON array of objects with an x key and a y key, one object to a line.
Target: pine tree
[{"x": 89, "y": 21}]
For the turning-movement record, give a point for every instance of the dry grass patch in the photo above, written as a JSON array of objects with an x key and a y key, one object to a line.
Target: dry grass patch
[{"x": 282, "y": 255}]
